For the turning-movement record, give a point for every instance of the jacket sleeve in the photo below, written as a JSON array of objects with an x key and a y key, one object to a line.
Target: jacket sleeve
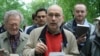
[
  {"x": 86, "y": 50},
  {"x": 29, "y": 49},
  {"x": 72, "y": 48}
]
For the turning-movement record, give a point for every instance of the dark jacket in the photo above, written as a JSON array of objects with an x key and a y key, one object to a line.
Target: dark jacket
[
  {"x": 31, "y": 28},
  {"x": 71, "y": 26},
  {"x": 2, "y": 29},
  {"x": 92, "y": 47}
]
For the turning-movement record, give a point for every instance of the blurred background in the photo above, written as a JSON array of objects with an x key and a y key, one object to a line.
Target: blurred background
[{"x": 27, "y": 7}]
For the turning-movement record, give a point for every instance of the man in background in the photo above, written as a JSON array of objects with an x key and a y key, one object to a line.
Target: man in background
[
  {"x": 39, "y": 19},
  {"x": 80, "y": 12}
]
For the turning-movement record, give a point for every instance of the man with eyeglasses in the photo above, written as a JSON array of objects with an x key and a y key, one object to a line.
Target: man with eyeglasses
[
  {"x": 12, "y": 40},
  {"x": 49, "y": 39}
]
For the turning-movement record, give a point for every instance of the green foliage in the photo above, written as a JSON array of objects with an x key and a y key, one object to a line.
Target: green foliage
[
  {"x": 67, "y": 6},
  {"x": 93, "y": 8},
  {"x": 6, "y": 5}
]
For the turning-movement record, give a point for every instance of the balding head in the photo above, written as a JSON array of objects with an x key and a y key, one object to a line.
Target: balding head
[
  {"x": 80, "y": 6},
  {"x": 80, "y": 12},
  {"x": 55, "y": 7},
  {"x": 54, "y": 17}
]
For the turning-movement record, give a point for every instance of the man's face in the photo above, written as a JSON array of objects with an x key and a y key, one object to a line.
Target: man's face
[
  {"x": 41, "y": 18},
  {"x": 13, "y": 24},
  {"x": 54, "y": 18},
  {"x": 80, "y": 12}
]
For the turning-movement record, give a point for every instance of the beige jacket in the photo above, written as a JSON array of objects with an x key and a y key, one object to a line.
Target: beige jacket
[
  {"x": 4, "y": 43},
  {"x": 71, "y": 49}
]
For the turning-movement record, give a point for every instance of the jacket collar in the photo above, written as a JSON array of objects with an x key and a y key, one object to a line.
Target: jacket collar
[
  {"x": 97, "y": 40},
  {"x": 42, "y": 36},
  {"x": 5, "y": 36},
  {"x": 84, "y": 23}
]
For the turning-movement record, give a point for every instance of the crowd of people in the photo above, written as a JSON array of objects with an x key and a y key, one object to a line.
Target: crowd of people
[{"x": 49, "y": 35}]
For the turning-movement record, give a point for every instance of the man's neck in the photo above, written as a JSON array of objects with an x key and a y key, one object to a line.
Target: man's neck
[
  {"x": 80, "y": 22},
  {"x": 52, "y": 31},
  {"x": 17, "y": 35}
]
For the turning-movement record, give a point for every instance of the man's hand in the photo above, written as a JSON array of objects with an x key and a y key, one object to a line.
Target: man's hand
[
  {"x": 81, "y": 39},
  {"x": 4, "y": 52},
  {"x": 40, "y": 48}
]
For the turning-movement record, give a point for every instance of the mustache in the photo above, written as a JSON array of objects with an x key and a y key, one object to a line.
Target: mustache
[
  {"x": 53, "y": 23},
  {"x": 79, "y": 15}
]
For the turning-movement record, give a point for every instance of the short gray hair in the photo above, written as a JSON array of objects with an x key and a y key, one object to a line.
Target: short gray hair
[{"x": 12, "y": 13}]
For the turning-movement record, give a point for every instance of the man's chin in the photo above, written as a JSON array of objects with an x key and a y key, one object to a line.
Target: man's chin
[
  {"x": 14, "y": 33},
  {"x": 53, "y": 27},
  {"x": 80, "y": 18}
]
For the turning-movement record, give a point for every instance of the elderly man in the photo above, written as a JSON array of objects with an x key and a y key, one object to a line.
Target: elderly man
[
  {"x": 80, "y": 12},
  {"x": 51, "y": 38},
  {"x": 12, "y": 40},
  {"x": 92, "y": 47}
]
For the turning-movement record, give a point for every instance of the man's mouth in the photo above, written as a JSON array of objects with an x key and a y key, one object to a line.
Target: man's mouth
[{"x": 53, "y": 23}]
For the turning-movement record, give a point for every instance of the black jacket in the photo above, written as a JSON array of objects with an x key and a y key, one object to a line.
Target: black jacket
[{"x": 92, "y": 47}]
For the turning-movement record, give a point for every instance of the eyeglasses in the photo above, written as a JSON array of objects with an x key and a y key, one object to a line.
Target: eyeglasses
[{"x": 56, "y": 15}]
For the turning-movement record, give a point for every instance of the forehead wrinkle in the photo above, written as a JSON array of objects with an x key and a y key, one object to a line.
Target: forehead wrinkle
[
  {"x": 55, "y": 7},
  {"x": 80, "y": 6}
]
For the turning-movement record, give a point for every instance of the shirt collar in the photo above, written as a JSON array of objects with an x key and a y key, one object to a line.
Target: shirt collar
[
  {"x": 56, "y": 33},
  {"x": 16, "y": 37}
]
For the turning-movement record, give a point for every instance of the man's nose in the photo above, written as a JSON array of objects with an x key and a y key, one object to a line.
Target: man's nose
[
  {"x": 41, "y": 18},
  {"x": 14, "y": 26},
  {"x": 80, "y": 13},
  {"x": 53, "y": 18}
]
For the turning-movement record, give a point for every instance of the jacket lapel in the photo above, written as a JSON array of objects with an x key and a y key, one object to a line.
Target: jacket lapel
[
  {"x": 97, "y": 41},
  {"x": 42, "y": 36},
  {"x": 21, "y": 43},
  {"x": 5, "y": 42}
]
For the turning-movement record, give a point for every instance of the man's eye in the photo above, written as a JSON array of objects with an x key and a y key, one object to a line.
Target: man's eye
[
  {"x": 50, "y": 15},
  {"x": 77, "y": 11},
  {"x": 43, "y": 16},
  {"x": 82, "y": 11},
  {"x": 57, "y": 15}
]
